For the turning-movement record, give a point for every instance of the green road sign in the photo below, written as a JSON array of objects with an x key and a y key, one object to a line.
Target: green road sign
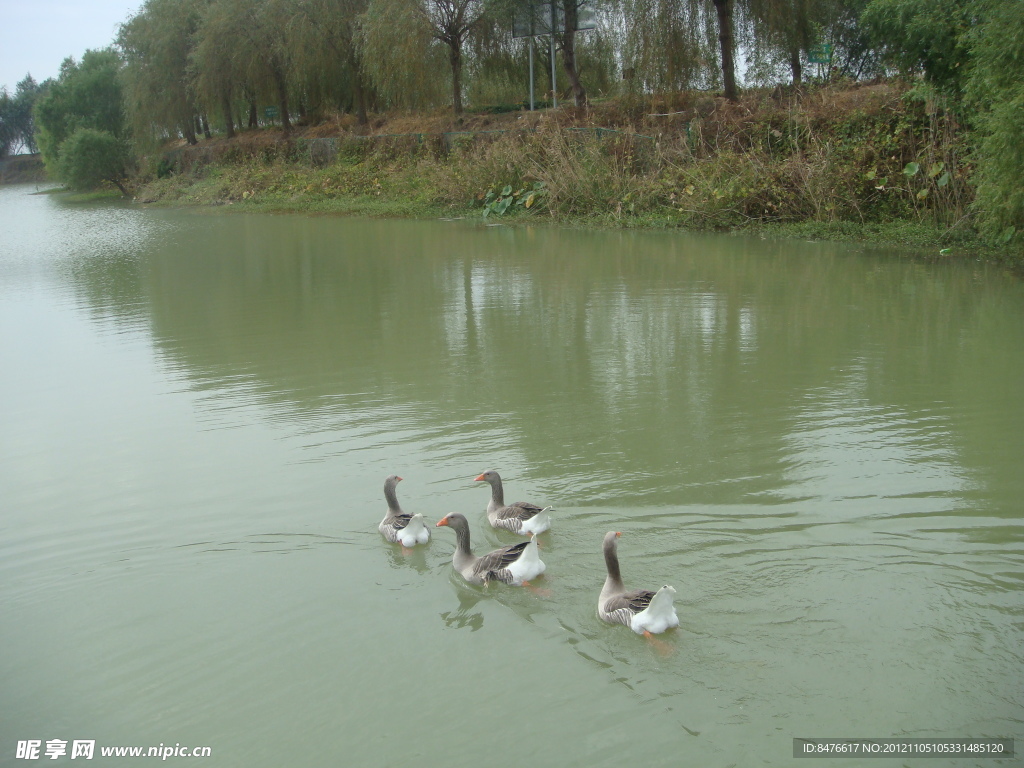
[{"x": 820, "y": 54}]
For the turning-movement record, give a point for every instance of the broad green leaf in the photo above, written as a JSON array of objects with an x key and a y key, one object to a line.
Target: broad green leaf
[{"x": 911, "y": 169}]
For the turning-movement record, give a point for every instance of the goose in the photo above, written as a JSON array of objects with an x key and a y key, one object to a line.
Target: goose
[
  {"x": 514, "y": 565},
  {"x": 641, "y": 610},
  {"x": 520, "y": 517},
  {"x": 397, "y": 526}
]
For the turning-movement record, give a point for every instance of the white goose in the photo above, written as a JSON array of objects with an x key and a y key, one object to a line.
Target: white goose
[
  {"x": 514, "y": 565},
  {"x": 518, "y": 517},
  {"x": 397, "y": 526},
  {"x": 641, "y": 610}
]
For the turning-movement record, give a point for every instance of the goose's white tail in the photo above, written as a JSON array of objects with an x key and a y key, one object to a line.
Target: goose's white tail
[
  {"x": 529, "y": 565},
  {"x": 539, "y": 522},
  {"x": 415, "y": 532},
  {"x": 659, "y": 615}
]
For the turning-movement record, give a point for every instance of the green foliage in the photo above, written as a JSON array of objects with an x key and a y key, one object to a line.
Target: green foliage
[
  {"x": 17, "y": 128},
  {"x": 529, "y": 198},
  {"x": 86, "y": 95},
  {"x": 926, "y": 36},
  {"x": 164, "y": 168},
  {"x": 156, "y": 44},
  {"x": 995, "y": 91},
  {"x": 90, "y": 157},
  {"x": 9, "y": 130},
  {"x": 407, "y": 66}
]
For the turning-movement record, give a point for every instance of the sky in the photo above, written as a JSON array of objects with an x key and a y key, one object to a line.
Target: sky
[{"x": 38, "y": 35}]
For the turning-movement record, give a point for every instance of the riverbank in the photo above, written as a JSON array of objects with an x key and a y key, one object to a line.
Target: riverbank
[
  {"x": 866, "y": 162},
  {"x": 22, "y": 169}
]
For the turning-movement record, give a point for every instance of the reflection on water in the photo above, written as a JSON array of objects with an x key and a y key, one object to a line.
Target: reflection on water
[
  {"x": 819, "y": 448},
  {"x": 465, "y": 615}
]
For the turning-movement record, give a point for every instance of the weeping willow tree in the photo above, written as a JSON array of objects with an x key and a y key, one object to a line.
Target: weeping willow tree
[
  {"x": 401, "y": 56},
  {"x": 247, "y": 43},
  {"x": 156, "y": 45},
  {"x": 498, "y": 66},
  {"x": 667, "y": 45},
  {"x": 781, "y": 30},
  {"x": 327, "y": 55},
  {"x": 216, "y": 75}
]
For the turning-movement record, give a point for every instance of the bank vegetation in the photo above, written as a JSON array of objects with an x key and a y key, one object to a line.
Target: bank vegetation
[{"x": 847, "y": 117}]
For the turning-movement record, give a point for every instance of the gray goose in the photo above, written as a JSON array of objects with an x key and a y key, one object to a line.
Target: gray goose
[
  {"x": 519, "y": 517},
  {"x": 514, "y": 565},
  {"x": 641, "y": 610},
  {"x": 397, "y": 526}
]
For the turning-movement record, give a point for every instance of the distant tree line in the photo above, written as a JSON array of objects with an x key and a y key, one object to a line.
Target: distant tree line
[
  {"x": 187, "y": 68},
  {"x": 17, "y": 126}
]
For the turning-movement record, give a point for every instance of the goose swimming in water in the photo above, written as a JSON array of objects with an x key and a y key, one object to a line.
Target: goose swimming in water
[
  {"x": 514, "y": 565},
  {"x": 519, "y": 517},
  {"x": 397, "y": 526},
  {"x": 641, "y": 610}
]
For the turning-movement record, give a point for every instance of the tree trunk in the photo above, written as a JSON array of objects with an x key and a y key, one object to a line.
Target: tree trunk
[
  {"x": 794, "y": 65},
  {"x": 119, "y": 185},
  {"x": 456, "y": 60},
  {"x": 229, "y": 121},
  {"x": 206, "y": 127},
  {"x": 579, "y": 93},
  {"x": 254, "y": 118},
  {"x": 282, "y": 95},
  {"x": 189, "y": 132},
  {"x": 724, "y": 9},
  {"x": 358, "y": 94}
]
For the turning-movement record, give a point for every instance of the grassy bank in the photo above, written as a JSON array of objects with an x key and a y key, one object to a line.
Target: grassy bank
[
  {"x": 22, "y": 169},
  {"x": 861, "y": 163}
]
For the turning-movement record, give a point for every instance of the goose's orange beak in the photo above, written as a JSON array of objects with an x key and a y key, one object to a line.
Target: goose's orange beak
[
  {"x": 442, "y": 521},
  {"x": 479, "y": 477}
]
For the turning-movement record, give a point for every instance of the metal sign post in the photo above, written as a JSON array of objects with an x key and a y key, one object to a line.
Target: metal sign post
[
  {"x": 531, "y": 73},
  {"x": 554, "y": 78},
  {"x": 820, "y": 55},
  {"x": 537, "y": 18}
]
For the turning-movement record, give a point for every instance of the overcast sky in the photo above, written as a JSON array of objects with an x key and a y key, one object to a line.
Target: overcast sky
[{"x": 37, "y": 35}]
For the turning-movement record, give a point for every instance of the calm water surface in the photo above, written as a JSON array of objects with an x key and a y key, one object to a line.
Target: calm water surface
[{"x": 819, "y": 447}]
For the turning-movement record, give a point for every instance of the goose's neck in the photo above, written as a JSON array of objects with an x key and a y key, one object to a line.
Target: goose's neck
[
  {"x": 611, "y": 561},
  {"x": 497, "y": 493},
  {"x": 463, "y": 554},
  {"x": 392, "y": 498}
]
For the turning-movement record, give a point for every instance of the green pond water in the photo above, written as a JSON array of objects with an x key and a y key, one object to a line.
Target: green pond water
[{"x": 819, "y": 446}]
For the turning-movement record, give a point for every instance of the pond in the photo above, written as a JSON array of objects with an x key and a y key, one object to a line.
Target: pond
[{"x": 819, "y": 446}]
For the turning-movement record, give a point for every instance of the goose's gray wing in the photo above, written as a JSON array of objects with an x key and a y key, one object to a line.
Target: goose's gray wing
[{"x": 493, "y": 564}]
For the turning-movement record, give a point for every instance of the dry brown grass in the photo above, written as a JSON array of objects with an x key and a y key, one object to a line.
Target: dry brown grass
[{"x": 690, "y": 158}]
